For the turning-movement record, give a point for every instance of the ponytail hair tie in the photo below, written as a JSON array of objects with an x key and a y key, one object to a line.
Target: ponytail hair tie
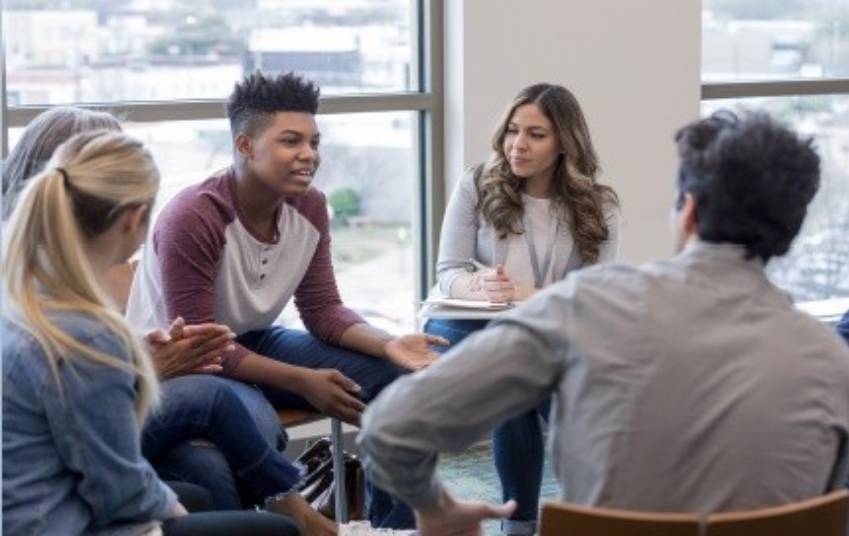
[{"x": 64, "y": 176}]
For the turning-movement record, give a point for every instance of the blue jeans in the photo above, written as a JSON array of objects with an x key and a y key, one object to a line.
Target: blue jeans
[
  {"x": 209, "y": 407},
  {"x": 201, "y": 463},
  {"x": 299, "y": 348},
  {"x": 517, "y": 444}
]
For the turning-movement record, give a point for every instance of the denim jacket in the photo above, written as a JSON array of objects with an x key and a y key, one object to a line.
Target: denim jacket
[{"x": 72, "y": 461}]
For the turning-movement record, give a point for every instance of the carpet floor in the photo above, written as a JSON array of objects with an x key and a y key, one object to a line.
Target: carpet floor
[{"x": 471, "y": 475}]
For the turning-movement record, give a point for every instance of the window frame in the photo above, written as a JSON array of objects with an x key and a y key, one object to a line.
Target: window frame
[{"x": 830, "y": 308}]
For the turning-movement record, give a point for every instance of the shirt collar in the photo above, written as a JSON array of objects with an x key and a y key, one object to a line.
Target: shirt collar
[{"x": 721, "y": 253}]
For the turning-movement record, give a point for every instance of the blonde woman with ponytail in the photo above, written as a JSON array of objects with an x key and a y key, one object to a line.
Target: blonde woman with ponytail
[
  {"x": 65, "y": 236},
  {"x": 77, "y": 384},
  {"x": 522, "y": 220}
]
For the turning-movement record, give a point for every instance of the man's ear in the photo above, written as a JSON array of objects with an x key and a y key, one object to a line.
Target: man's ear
[
  {"x": 687, "y": 214},
  {"x": 243, "y": 145}
]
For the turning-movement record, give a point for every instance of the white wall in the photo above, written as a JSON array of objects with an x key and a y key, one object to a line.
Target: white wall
[{"x": 634, "y": 66}]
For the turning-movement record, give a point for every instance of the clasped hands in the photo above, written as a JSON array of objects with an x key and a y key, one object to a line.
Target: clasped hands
[{"x": 193, "y": 349}]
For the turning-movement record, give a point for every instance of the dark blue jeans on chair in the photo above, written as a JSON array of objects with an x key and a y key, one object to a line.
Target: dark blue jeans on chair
[
  {"x": 202, "y": 464},
  {"x": 208, "y": 407},
  {"x": 517, "y": 444},
  {"x": 299, "y": 348}
]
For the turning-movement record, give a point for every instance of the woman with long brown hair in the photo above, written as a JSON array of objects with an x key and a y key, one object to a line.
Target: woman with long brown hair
[{"x": 529, "y": 215}]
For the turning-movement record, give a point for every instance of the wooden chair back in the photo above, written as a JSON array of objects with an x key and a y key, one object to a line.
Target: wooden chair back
[
  {"x": 562, "y": 519},
  {"x": 291, "y": 418},
  {"x": 827, "y": 515},
  {"x": 823, "y": 516}
]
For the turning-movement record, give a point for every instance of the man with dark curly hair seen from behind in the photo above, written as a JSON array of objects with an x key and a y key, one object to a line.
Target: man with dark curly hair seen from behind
[
  {"x": 686, "y": 385},
  {"x": 235, "y": 248}
]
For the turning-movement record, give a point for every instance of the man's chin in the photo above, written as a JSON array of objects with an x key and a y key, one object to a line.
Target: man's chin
[{"x": 294, "y": 190}]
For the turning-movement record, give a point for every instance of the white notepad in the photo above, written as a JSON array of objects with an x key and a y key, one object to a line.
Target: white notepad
[{"x": 480, "y": 305}]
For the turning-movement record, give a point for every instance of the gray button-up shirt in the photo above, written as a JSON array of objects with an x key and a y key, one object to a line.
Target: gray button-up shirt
[{"x": 685, "y": 385}]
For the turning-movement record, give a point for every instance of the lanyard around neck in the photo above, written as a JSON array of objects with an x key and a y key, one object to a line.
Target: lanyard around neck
[{"x": 540, "y": 270}]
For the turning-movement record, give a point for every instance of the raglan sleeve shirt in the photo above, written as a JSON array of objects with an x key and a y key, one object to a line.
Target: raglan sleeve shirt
[
  {"x": 190, "y": 241},
  {"x": 317, "y": 296}
]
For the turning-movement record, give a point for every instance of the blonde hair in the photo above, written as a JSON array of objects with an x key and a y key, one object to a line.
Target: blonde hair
[
  {"x": 575, "y": 189},
  {"x": 91, "y": 179}
]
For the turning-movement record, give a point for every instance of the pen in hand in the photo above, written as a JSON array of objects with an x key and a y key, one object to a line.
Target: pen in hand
[{"x": 499, "y": 270}]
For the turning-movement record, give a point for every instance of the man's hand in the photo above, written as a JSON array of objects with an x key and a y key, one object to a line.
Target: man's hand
[
  {"x": 177, "y": 511},
  {"x": 459, "y": 518},
  {"x": 332, "y": 393},
  {"x": 413, "y": 352},
  {"x": 498, "y": 286},
  {"x": 195, "y": 349}
]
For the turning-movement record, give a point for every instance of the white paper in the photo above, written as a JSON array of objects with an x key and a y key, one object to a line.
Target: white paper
[{"x": 469, "y": 304}]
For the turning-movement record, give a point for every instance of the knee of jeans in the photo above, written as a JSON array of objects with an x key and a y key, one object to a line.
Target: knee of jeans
[
  {"x": 196, "y": 392},
  {"x": 201, "y": 464},
  {"x": 380, "y": 378},
  {"x": 268, "y": 424},
  {"x": 263, "y": 413},
  {"x": 441, "y": 329},
  {"x": 452, "y": 330}
]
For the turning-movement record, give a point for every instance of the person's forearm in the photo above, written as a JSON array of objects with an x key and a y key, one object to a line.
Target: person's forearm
[
  {"x": 366, "y": 339},
  {"x": 409, "y": 474},
  {"x": 255, "y": 368},
  {"x": 482, "y": 382}
]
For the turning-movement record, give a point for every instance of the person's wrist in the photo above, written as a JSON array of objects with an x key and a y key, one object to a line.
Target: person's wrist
[
  {"x": 299, "y": 380},
  {"x": 385, "y": 341},
  {"x": 443, "y": 501}
]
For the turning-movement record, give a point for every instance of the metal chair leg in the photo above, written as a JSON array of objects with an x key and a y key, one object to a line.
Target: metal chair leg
[{"x": 339, "y": 471}]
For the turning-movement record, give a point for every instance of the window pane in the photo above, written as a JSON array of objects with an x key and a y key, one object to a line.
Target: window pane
[
  {"x": 817, "y": 266},
  {"x": 758, "y": 39},
  {"x": 66, "y": 51},
  {"x": 368, "y": 172}
]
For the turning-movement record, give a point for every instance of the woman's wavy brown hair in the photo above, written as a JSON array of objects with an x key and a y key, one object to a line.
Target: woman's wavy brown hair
[{"x": 574, "y": 188}]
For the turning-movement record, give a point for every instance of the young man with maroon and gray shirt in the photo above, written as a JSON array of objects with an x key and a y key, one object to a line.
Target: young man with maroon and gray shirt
[{"x": 237, "y": 247}]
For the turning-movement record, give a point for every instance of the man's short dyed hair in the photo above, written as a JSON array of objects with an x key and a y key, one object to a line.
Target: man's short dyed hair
[
  {"x": 752, "y": 179},
  {"x": 257, "y": 97}
]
